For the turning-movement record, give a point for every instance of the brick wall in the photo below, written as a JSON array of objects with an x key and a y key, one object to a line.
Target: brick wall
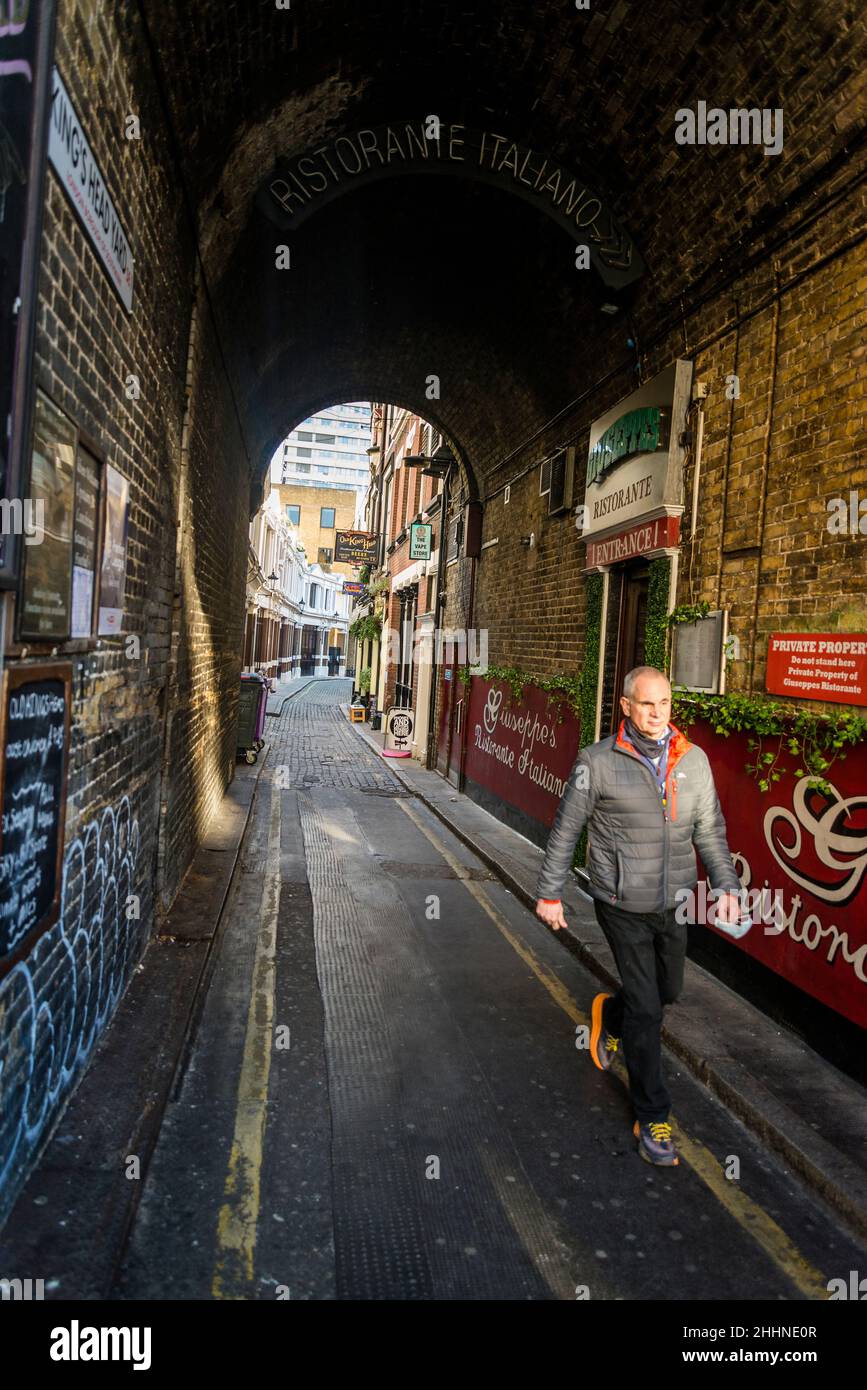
[{"x": 140, "y": 787}]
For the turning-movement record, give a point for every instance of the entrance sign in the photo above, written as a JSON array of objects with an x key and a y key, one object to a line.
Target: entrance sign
[
  {"x": 635, "y": 461},
  {"x": 818, "y": 666},
  {"x": 661, "y": 534},
  {"x": 34, "y": 728},
  {"x": 420, "y": 533},
  {"x": 355, "y": 547},
  {"x": 308, "y": 180},
  {"x": 81, "y": 179}
]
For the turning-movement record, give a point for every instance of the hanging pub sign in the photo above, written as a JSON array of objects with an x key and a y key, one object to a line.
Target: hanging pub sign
[
  {"x": 818, "y": 666},
  {"x": 81, "y": 179},
  {"x": 113, "y": 573},
  {"x": 355, "y": 547},
  {"x": 26, "y": 43},
  {"x": 635, "y": 462},
  {"x": 34, "y": 728},
  {"x": 420, "y": 533},
  {"x": 353, "y": 586}
]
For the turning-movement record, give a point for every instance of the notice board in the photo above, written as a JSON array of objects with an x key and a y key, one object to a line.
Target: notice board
[{"x": 34, "y": 758}]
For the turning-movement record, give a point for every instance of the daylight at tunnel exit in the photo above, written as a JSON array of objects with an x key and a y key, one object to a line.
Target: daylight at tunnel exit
[{"x": 433, "y": 670}]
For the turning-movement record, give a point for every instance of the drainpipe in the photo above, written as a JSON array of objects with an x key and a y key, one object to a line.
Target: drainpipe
[
  {"x": 465, "y": 721},
  {"x": 438, "y": 604}
]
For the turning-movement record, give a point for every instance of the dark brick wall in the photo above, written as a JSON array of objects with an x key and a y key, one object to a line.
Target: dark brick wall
[{"x": 184, "y": 603}]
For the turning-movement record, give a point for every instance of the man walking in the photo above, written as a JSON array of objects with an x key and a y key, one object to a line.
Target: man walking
[{"x": 647, "y": 796}]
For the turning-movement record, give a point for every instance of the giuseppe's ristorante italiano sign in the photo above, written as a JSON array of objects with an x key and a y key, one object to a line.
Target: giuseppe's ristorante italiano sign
[
  {"x": 634, "y": 495},
  {"x": 804, "y": 848}
]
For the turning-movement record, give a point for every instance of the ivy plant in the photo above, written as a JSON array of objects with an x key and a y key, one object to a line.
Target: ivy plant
[
  {"x": 367, "y": 628},
  {"x": 806, "y": 744}
]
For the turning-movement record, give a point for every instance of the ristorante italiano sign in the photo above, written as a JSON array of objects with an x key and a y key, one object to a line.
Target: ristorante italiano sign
[{"x": 301, "y": 184}]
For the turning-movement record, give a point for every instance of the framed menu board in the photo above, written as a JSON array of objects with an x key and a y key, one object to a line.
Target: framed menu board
[
  {"x": 34, "y": 757},
  {"x": 47, "y": 572},
  {"x": 85, "y": 542}
]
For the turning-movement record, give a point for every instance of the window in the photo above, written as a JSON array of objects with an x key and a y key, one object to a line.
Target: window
[
  {"x": 302, "y": 468},
  {"x": 314, "y": 596},
  {"x": 325, "y": 439},
  {"x": 304, "y": 434},
  {"x": 304, "y": 453},
  {"x": 326, "y": 518},
  {"x": 325, "y": 556},
  {"x": 293, "y": 514}
]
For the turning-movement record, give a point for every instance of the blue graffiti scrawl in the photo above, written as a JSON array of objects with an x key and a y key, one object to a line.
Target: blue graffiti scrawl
[{"x": 56, "y": 1003}]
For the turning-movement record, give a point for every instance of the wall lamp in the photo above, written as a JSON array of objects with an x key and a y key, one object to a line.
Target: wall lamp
[{"x": 529, "y": 541}]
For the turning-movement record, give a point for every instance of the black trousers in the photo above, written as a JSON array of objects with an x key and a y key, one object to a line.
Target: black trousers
[{"x": 649, "y": 949}]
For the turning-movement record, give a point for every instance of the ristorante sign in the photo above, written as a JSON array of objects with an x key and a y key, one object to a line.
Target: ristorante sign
[
  {"x": 635, "y": 459},
  {"x": 303, "y": 183}
]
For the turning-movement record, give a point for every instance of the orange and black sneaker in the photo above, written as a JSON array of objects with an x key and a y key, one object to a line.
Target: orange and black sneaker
[
  {"x": 655, "y": 1143},
  {"x": 603, "y": 1045}
]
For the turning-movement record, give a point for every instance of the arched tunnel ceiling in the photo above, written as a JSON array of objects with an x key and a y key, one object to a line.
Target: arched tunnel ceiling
[{"x": 419, "y": 276}]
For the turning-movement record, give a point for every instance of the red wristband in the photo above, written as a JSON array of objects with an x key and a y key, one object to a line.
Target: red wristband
[{"x": 550, "y": 900}]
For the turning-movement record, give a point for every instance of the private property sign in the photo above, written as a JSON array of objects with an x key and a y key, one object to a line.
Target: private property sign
[
  {"x": 75, "y": 165},
  {"x": 818, "y": 666}
]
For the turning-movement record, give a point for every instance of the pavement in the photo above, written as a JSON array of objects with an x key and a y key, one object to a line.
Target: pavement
[
  {"x": 350, "y": 1067},
  {"x": 812, "y": 1114}
]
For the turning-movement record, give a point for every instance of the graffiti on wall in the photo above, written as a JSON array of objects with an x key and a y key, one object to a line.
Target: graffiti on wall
[{"x": 55, "y": 1003}]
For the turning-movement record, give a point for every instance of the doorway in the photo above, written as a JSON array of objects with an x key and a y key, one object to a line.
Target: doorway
[{"x": 632, "y": 631}]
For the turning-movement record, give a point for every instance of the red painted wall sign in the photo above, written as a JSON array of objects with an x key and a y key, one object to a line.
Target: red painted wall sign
[
  {"x": 662, "y": 532},
  {"x": 813, "y": 849},
  {"x": 809, "y": 847},
  {"x": 518, "y": 750},
  {"x": 818, "y": 666}
]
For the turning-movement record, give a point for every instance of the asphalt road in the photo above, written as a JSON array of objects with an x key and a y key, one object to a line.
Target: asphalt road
[{"x": 385, "y": 1100}]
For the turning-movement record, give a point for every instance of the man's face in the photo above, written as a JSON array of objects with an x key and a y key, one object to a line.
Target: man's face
[{"x": 650, "y": 706}]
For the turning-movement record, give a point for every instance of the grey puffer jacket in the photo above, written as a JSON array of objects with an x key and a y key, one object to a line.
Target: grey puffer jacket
[{"x": 639, "y": 853}]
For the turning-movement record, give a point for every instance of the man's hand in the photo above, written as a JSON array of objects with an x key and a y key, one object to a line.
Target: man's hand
[
  {"x": 728, "y": 909},
  {"x": 551, "y": 914}
]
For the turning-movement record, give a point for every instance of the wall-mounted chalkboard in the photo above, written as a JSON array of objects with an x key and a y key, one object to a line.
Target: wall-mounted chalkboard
[{"x": 34, "y": 732}]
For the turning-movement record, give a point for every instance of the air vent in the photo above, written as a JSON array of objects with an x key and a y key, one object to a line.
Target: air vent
[
  {"x": 545, "y": 478},
  {"x": 562, "y": 482}
]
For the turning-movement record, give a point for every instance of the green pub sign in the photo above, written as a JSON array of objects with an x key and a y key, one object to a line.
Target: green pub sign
[{"x": 640, "y": 431}]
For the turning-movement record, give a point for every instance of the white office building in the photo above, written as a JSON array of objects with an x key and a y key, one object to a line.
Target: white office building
[{"x": 327, "y": 450}]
